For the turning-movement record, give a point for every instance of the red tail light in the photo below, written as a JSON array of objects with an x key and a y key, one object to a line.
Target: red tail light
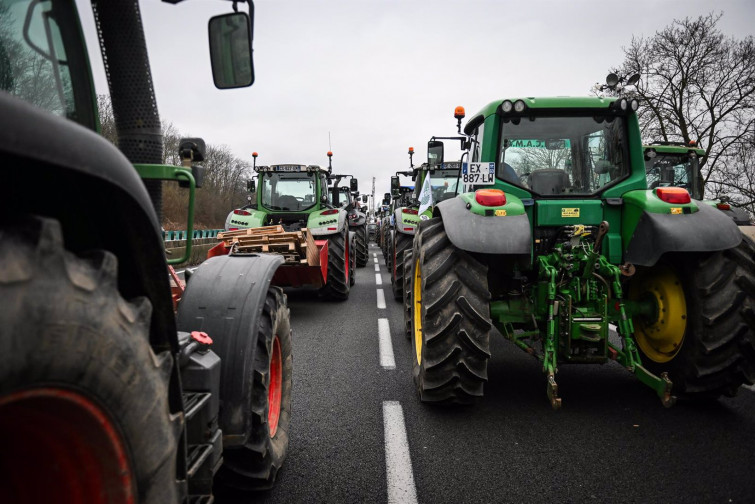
[
  {"x": 723, "y": 206},
  {"x": 490, "y": 197},
  {"x": 409, "y": 211},
  {"x": 242, "y": 212},
  {"x": 233, "y": 229},
  {"x": 676, "y": 195},
  {"x": 330, "y": 212}
]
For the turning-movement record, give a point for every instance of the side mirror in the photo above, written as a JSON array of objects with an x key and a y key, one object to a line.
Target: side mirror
[
  {"x": 251, "y": 186},
  {"x": 394, "y": 185},
  {"x": 354, "y": 184},
  {"x": 231, "y": 50},
  {"x": 190, "y": 150},
  {"x": 434, "y": 152},
  {"x": 365, "y": 197}
]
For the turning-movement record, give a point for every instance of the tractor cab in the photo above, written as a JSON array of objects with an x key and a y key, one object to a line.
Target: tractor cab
[{"x": 674, "y": 164}]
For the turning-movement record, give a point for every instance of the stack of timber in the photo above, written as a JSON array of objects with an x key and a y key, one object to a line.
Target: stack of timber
[{"x": 296, "y": 247}]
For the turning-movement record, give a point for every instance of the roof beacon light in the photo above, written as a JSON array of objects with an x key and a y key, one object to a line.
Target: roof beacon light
[
  {"x": 675, "y": 195},
  {"x": 490, "y": 197},
  {"x": 459, "y": 115},
  {"x": 519, "y": 106}
]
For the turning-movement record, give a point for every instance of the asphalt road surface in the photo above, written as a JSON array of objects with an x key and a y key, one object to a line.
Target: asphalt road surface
[{"x": 360, "y": 435}]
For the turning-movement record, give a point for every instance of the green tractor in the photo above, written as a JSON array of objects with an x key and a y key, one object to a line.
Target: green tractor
[
  {"x": 106, "y": 393},
  {"x": 401, "y": 197},
  {"x": 348, "y": 197},
  {"x": 678, "y": 164},
  {"x": 433, "y": 183},
  {"x": 560, "y": 239},
  {"x": 292, "y": 204}
]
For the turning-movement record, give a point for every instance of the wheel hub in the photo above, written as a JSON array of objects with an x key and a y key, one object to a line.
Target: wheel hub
[{"x": 661, "y": 337}]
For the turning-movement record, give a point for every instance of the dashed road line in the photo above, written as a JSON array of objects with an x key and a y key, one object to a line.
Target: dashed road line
[
  {"x": 385, "y": 345},
  {"x": 378, "y": 279},
  {"x": 376, "y": 261},
  {"x": 374, "y": 254},
  {"x": 380, "y": 299},
  {"x": 398, "y": 461},
  {"x": 377, "y": 267}
]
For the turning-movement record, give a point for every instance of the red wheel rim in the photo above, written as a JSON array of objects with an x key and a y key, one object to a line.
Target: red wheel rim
[
  {"x": 59, "y": 446},
  {"x": 275, "y": 388}
]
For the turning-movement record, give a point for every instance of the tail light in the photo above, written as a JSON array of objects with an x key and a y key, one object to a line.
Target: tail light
[
  {"x": 330, "y": 212},
  {"x": 409, "y": 211},
  {"x": 242, "y": 212},
  {"x": 723, "y": 206},
  {"x": 675, "y": 195},
  {"x": 490, "y": 197}
]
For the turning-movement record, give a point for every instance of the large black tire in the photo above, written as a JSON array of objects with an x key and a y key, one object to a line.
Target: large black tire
[
  {"x": 337, "y": 287},
  {"x": 451, "y": 336},
  {"x": 717, "y": 350},
  {"x": 403, "y": 243},
  {"x": 255, "y": 465},
  {"x": 388, "y": 250},
  {"x": 361, "y": 250},
  {"x": 352, "y": 260},
  {"x": 70, "y": 340},
  {"x": 408, "y": 277}
]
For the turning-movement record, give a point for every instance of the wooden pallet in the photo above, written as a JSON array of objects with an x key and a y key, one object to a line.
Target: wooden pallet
[{"x": 296, "y": 247}]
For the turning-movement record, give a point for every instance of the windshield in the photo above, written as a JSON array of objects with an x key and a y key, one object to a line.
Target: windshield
[
  {"x": 288, "y": 191},
  {"x": 39, "y": 45},
  {"x": 677, "y": 170},
  {"x": 563, "y": 155},
  {"x": 443, "y": 184}
]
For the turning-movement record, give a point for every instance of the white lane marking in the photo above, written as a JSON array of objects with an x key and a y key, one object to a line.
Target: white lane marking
[
  {"x": 751, "y": 388},
  {"x": 398, "y": 461},
  {"x": 380, "y": 299},
  {"x": 386, "y": 347},
  {"x": 377, "y": 267},
  {"x": 376, "y": 261},
  {"x": 374, "y": 254},
  {"x": 378, "y": 280}
]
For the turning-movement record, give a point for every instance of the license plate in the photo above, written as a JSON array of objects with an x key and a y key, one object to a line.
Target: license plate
[{"x": 478, "y": 173}]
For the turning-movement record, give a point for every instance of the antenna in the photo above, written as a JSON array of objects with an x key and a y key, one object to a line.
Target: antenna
[{"x": 330, "y": 147}]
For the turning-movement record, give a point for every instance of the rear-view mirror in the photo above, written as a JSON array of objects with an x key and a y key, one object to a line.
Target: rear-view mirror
[
  {"x": 354, "y": 184},
  {"x": 435, "y": 152},
  {"x": 231, "y": 50}
]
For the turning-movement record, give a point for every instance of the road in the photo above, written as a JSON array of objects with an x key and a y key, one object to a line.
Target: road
[{"x": 359, "y": 434}]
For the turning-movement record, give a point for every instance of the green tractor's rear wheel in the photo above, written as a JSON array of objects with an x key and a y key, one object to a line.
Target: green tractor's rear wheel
[
  {"x": 408, "y": 275},
  {"x": 352, "y": 259},
  {"x": 337, "y": 285},
  {"x": 451, "y": 320},
  {"x": 361, "y": 249},
  {"x": 403, "y": 244},
  {"x": 255, "y": 465},
  {"x": 703, "y": 330}
]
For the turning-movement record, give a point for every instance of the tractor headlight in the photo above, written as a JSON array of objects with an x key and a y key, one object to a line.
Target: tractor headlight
[
  {"x": 507, "y": 106},
  {"x": 519, "y": 106}
]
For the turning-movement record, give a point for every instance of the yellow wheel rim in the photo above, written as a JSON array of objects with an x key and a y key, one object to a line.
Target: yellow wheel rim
[
  {"x": 661, "y": 339},
  {"x": 417, "y": 302}
]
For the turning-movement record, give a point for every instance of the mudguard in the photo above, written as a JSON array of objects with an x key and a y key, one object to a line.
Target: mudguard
[
  {"x": 405, "y": 223},
  {"x": 315, "y": 219},
  {"x": 56, "y": 168},
  {"x": 706, "y": 230},
  {"x": 484, "y": 234},
  {"x": 225, "y": 298}
]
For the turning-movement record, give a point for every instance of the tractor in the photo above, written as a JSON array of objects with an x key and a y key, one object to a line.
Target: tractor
[
  {"x": 293, "y": 218},
  {"x": 678, "y": 164},
  {"x": 400, "y": 197},
  {"x": 560, "y": 246},
  {"x": 433, "y": 183},
  {"x": 348, "y": 197},
  {"x": 106, "y": 393}
]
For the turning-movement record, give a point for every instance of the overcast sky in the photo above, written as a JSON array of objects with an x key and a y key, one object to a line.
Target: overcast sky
[{"x": 381, "y": 76}]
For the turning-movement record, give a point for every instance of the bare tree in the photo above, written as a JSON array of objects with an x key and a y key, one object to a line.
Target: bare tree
[{"x": 697, "y": 84}]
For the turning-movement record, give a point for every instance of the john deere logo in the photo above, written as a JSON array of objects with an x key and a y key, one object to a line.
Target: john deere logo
[
  {"x": 570, "y": 212},
  {"x": 676, "y": 210},
  {"x": 500, "y": 213}
]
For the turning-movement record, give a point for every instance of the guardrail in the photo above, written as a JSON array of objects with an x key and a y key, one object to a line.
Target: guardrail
[{"x": 202, "y": 240}]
